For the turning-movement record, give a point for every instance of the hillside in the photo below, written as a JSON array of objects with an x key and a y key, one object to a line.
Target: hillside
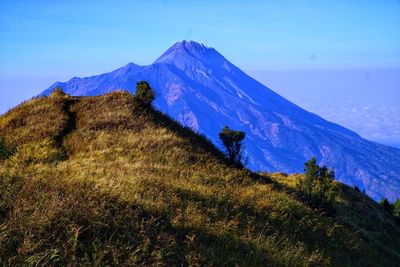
[
  {"x": 201, "y": 89},
  {"x": 103, "y": 181}
]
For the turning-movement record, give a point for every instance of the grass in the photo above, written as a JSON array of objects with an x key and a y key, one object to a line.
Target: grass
[{"x": 104, "y": 181}]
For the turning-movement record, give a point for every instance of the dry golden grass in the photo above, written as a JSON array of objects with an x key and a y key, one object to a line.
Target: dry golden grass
[{"x": 104, "y": 181}]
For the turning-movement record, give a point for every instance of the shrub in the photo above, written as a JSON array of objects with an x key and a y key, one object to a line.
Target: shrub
[
  {"x": 58, "y": 92},
  {"x": 144, "y": 93},
  {"x": 396, "y": 208},
  {"x": 233, "y": 142},
  {"x": 317, "y": 186},
  {"x": 5, "y": 152},
  {"x": 386, "y": 205}
]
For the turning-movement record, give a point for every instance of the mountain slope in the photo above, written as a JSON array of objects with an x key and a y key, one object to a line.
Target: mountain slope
[
  {"x": 102, "y": 181},
  {"x": 200, "y": 88}
]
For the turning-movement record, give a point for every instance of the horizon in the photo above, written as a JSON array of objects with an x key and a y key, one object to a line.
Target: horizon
[{"x": 355, "y": 43}]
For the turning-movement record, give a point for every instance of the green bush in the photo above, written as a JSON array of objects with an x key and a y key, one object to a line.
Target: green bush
[
  {"x": 396, "y": 208},
  {"x": 144, "y": 93},
  {"x": 5, "y": 152},
  {"x": 318, "y": 186},
  {"x": 386, "y": 205},
  {"x": 233, "y": 142}
]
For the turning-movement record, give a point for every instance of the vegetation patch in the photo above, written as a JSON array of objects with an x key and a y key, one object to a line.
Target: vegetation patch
[{"x": 126, "y": 185}]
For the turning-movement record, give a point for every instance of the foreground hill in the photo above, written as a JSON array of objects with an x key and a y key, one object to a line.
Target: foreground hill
[
  {"x": 103, "y": 181},
  {"x": 201, "y": 89}
]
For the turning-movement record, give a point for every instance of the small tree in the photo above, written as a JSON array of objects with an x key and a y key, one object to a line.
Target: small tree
[
  {"x": 144, "y": 93},
  {"x": 326, "y": 190},
  {"x": 233, "y": 142},
  {"x": 311, "y": 170},
  {"x": 317, "y": 186}
]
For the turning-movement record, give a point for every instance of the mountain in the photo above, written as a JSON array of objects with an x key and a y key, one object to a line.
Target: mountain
[
  {"x": 102, "y": 181},
  {"x": 197, "y": 86}
]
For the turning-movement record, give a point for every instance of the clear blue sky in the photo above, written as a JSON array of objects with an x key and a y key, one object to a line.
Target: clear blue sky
[
  {"x": 40, "y": 37},
  {"x": 45, "y": 41}
]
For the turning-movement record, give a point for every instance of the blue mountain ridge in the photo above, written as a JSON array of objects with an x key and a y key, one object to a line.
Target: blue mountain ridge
[{"x": 201, "y": 89}]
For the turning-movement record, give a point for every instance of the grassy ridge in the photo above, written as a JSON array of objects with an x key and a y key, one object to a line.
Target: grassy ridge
[{"x": 102, "y": 180}]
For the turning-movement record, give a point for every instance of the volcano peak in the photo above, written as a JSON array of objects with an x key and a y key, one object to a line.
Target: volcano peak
[{"x": 188, "y": 50}]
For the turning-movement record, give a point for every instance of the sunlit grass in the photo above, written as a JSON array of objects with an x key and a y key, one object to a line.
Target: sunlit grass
[{"x": 128, "y": 186}]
